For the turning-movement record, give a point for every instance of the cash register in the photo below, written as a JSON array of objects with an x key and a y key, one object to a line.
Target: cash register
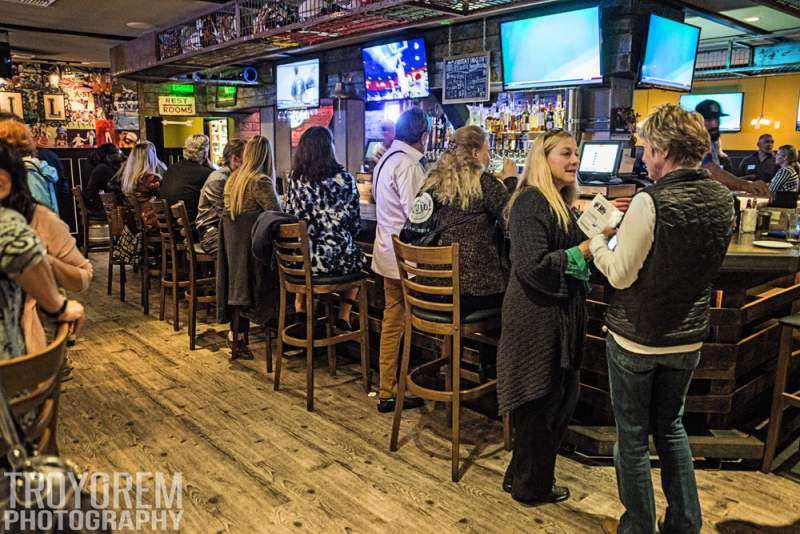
[{"x": 599, "y": 168}]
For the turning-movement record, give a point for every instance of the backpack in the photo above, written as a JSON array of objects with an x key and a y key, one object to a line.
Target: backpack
[{"x": 423, "y": 227}]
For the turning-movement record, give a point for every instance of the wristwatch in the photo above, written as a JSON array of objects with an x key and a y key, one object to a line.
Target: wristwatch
[{"x": 56, "y": 314}]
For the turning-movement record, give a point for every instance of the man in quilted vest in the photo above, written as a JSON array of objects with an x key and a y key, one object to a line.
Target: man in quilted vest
[{"x": 669, "y": 248}]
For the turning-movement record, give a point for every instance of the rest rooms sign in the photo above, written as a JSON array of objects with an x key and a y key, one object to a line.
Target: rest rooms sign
[{"x": 176, "y": 105}]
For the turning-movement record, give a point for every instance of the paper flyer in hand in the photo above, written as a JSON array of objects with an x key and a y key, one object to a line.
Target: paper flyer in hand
[{"x": 601, "y": 214}]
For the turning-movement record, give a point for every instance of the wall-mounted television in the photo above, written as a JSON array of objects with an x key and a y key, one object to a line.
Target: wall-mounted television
[
  {"x": 797, "y": 124},
  {"x": 552, "y": 50},
  {"x": 396, "y": 70},
  {"x": 729, "y": 103},
  {"x": 298, "y": 84},
  {"x": 670, "y": 54}
]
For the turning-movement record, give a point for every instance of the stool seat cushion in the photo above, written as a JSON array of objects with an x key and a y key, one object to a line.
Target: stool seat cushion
[
  {"x": 791, "y": 320},
  {"x": 329, "y": 280},
  {"x": 476, "y": 316}
]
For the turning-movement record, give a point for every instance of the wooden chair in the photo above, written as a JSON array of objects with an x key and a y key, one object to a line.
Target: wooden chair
[
  {"x": 172, "y": 276},
  {"x": 85, "y": 220},
  {"x": 201, "y": 290},
  {"x": 115, "y": 214},
  {"x": 780, "y": 398},
  {"x": 436, "y": 310},
  {"x": 294, "y": 272},
  {"x": 33, "y": 383},
  {"x": 151, "y": 240}
]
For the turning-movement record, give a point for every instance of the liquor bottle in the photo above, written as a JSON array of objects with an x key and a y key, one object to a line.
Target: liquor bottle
[
  {"x": 540, "y": 117},
  {"x": 526, "y": 118},
  {"x": 549, "y": 122}
]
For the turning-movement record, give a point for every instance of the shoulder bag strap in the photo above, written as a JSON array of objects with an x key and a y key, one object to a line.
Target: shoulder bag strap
[{"x": 378, "y": 174}]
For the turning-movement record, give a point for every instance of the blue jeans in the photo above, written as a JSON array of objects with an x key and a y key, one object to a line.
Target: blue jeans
[{"x": 648, "y": 393}]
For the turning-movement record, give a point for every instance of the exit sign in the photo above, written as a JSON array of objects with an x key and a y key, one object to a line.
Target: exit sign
[
  {"x": 176, "y": 105},
  {"x": 226, "y": 95},
  {"x": 180, "y": 89}
]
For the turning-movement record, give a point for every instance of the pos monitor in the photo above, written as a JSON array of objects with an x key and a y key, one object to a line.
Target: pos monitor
[{"x": 600, "y": 160}]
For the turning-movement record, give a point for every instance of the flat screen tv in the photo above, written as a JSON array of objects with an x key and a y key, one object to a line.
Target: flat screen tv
[
  {"x": 397, "y": 70},
  {"x": 298, "y": 84},
  {"x": 552, "y": 50},
  {"x": 797, "y": 124},
  {"x": 670, "y": 54},
  {"x": 729, "y": 103}
]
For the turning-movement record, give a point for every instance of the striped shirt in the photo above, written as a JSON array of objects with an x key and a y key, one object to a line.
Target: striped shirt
[{"x": 785, "y": 180}]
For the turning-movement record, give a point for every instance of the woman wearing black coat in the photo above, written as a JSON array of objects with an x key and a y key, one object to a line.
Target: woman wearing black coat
[
  {"x": 544, "y": 317},
  {"x": 107, "y": 160}
]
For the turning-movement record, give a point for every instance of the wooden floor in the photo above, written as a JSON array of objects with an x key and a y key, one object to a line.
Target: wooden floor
[{"x": 253, "y": 460}]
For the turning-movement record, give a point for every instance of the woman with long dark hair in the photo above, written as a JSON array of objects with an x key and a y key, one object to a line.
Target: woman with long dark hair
[
  {"x": 72, "y": 271},
  {"x": 321, "y": 192},
  {"x": 25, "y": 266}
]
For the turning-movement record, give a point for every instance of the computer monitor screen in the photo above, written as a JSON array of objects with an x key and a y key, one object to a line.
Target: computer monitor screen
[
  {"x": 552, "y": 50},
  {"x": 298, "y": 85},
  {"x": 670, "y": 54},
  {"x": 396, "y": 70},
  {"x": 729, "y": 103},
  {"x": 600, "y": 158}
]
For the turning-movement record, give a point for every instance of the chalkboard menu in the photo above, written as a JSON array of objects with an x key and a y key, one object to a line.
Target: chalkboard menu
[{"x": 466, "y": 78}]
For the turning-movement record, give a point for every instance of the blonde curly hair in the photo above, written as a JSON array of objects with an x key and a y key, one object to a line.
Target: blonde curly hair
[
  {"x": 456, "y": 177},
  {"x": 681, "y": 135}
]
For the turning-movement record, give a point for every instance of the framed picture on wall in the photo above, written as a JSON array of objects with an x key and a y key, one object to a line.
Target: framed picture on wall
[
  {"x": 11, "y": 103},
  {"x": 54, "y": 108}
]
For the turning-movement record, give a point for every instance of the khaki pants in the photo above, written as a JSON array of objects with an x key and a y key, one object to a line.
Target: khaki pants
[{"x": 392, "y": 328}]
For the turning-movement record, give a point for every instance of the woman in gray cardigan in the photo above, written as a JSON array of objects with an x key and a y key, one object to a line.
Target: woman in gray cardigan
[{"x": 544, "y": 317}]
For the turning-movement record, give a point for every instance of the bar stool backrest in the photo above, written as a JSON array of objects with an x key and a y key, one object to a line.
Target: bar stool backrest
[
  {"x": 429, "y": 262},
  {"x": 114, "y": 213},
  {"x": 32, "y": 383},
  {"x": 291, "y": 252},
  {"x": 183, "y": 233}
]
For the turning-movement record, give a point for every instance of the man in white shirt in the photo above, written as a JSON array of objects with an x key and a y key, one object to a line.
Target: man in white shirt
[
  {"x": 397, "y": 178},
  {"x": 669, "y": 248}
]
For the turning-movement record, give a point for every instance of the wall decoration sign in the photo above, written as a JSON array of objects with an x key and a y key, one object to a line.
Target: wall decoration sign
[
  {"x": 466, "y": 78},
  {"x": 126, "y": 108},
  {"x": 11, "y": 103},
  {"x": 176, "y": 105},
  {"x": 54, "y": 109},
  {"x": 80, "y": 99}
]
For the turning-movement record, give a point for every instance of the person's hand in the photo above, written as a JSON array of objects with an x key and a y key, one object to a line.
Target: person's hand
[
  {"x": 75, "y": 314},
  {"x": 758, "y": 188},
  {"x": 509, "y": 168},
  {"x": 584, "y": 248},
  {"x": 609, "y": 232},
  {"x": 622, "y": 204}
]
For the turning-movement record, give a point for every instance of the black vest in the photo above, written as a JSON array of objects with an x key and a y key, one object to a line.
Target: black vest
[{"x": 669, "y": 302}]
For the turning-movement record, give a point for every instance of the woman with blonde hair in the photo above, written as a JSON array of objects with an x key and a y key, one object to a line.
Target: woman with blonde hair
[
  {"x": 470, "y": 203},
  {"x": 140, "y": 179},
  {"x": 248, "y": 193},
  {"x": 544, "y": 317}
]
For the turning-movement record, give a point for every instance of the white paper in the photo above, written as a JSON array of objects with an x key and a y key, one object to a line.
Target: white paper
[{"x": 600, "y": 214}]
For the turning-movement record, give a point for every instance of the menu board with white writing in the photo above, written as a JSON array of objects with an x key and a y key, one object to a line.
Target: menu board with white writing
[{"x": 466, "y": 78}]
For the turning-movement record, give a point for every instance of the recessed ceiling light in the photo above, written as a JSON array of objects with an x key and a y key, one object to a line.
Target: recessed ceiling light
[
  {"x": 140, "y": 25},
  {"x": 752, "y": 19}
]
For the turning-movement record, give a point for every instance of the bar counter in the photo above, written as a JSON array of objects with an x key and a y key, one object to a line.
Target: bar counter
[{"x": 731, "y": 389}]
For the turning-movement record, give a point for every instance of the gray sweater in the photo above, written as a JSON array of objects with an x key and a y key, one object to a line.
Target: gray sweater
[{"x": 544, "y": 310}]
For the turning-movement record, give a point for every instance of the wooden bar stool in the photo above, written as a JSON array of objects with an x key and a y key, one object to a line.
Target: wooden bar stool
[
  {"x": 436, "y": 310},
  {"x": 115, "y": 214},
  {"x": 32, "y": 383},
  {"x": 171, "y": 261},
  {"x": 294, "y": 273},
  {"x": 151, "y": 240},
  {"x": 85, "y": 221},
  {"x": 201, "y": 290},
  {"x": 780, "y": 398}
]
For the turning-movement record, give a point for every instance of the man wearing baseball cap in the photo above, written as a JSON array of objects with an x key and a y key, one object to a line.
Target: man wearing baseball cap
[{"x": 716, "y": 162}]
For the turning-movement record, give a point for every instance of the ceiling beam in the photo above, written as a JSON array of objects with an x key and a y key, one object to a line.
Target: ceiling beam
[
  {"x": 780, "y": 6},
  {"x": 724, "y": 20},
  {"x": 74, "y": 33}
]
